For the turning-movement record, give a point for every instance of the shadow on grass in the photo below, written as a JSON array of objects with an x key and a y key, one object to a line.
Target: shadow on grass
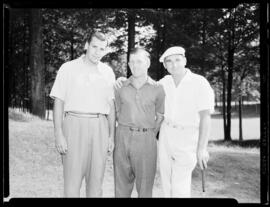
[
  {"x": 236, "y": 143},
  {"x": 21, "y": 116},
  {"x": 235, "y": 115},
  {"x": 17, "y": 117},
  {"x": 248, "y": 111}
]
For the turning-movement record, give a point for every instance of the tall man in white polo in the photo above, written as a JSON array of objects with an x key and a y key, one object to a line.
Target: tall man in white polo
[
  {"x": 185, "y": 130},
  {"x": 83, "y": 94}
]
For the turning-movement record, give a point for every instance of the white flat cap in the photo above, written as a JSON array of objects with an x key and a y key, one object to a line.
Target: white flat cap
[{"x": 172, "y": 51}]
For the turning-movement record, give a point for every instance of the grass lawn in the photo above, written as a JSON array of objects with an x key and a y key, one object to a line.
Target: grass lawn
[{"x": 36, "y": 169}]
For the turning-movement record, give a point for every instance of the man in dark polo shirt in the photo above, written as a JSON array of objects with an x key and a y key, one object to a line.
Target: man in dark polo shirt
[{"x": 140, "y": 109}]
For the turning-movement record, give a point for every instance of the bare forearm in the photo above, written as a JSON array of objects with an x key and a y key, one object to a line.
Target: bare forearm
[
  {"x": 159, "y": 119},
  {"x": 204, "y": 131},
  {"x": 58, "y": 115}
]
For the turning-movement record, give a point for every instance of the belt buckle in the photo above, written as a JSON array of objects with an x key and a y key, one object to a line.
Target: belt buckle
[
  {"x": 138, "y": 129},
  {"x": 131, "y": 129}
]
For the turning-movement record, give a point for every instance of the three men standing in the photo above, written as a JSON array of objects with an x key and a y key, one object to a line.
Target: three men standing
[{"x": 83, "y": 93}]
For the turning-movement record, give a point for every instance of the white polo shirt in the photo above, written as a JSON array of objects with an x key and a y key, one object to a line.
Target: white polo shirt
[
  {"x": 82, "y": 90},
  {"x": 183, "y": 103}
]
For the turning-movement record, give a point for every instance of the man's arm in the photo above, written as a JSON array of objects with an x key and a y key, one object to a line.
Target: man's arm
[
  {"x": 160, "y": 108},
  {"x": 204, "y": 133},
  {"x": 111, "y": 120},
  {"x": 119, "y": 82},
  {"x": 60, "y": 140},
  {"x": 159, "y": 119}
]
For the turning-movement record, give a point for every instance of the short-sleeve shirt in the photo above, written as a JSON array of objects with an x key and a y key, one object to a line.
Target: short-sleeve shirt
[
  {"x": 139, "y": 107},
  {"x": 82, "y": 90},
  {"x": 184, "y": 102}
]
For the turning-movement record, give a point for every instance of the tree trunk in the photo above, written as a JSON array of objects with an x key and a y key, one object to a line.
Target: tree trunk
[
  {"x": 37, "y": 65},
  {"x": 256, "y": 108},
  {"x": 48, "y": 106},
  {"x": 224, "y": 102},
  {"x": 72, "y": 45},
  {"x": 24, "y": 66},
  {"x": 240, "y": 119},
  {"x": 216, "y": 100},
  {"x": 131, "y": 37},
  {"x": 230, "y": 62},
  {"x": 163, "y": 43},
  {"x": 158, "y": 52},
  {"x": 229, "y": 96},
  {"x": 11, "y": 74},
  {"x": 204, "y": 22}
]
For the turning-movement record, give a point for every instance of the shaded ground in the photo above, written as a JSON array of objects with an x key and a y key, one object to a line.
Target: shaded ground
[
  {"x": 236, "y": 143},
  {"x": 36, "y": 170}
]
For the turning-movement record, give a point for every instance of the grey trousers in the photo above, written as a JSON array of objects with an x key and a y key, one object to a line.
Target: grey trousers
[
  {"x": 135, "y": 157},
  {"x": 87, "y": 140}
]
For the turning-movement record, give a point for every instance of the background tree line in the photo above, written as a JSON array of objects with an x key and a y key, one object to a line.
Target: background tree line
[{"x": 221, "y": 44}]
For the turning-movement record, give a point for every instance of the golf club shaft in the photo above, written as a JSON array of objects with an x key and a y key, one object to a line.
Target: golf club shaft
[{"x": 203, "y": 181}]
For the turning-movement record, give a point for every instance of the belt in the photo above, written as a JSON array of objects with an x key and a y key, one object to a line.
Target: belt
[
  {"x": 136, "y": 129},
  {"x": 179, "y": 126},
  {"x": 85, "y": 115}
]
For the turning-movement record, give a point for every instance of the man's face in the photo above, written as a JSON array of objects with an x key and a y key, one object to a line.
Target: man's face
[
  {"x": 138, "y": 64},
  {"x": 96, "y": 50},
  {"x": 175, "y": 63}
]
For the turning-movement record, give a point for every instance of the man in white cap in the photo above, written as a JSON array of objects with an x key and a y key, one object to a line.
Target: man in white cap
[{"x": 185, "y": 131}]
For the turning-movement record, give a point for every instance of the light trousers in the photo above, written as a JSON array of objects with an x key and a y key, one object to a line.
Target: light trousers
[
  {"x": 87, "y": 140},
  {"x": 177, "y": 158}
]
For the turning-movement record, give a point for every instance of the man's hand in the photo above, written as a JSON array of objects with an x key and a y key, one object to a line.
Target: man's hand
[
  {"x": 119, "y": 82},
  {"x": 60, "y": 143},
  {"x": 202, "y": 158},
  {"x": 111, "y": 145}
]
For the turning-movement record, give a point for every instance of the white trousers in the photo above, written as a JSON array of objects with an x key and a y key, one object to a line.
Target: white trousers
[{"x": 177, "y": 159}]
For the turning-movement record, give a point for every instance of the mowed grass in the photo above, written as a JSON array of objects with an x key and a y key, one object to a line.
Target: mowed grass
[{"x": 36, "y": 169}]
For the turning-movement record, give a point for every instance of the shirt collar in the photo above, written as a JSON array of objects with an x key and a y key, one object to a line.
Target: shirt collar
[
  {"x": 188, "y": 74},
  {"x": 82, "y": 62},
  {"x": 186, "y": 77},
  {"x": 149, "y": 81}
]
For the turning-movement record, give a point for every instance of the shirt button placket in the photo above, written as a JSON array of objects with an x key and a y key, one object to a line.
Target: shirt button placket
[
  {"x": 174, "y": 104},
  {"x": 137, "y": 96}
]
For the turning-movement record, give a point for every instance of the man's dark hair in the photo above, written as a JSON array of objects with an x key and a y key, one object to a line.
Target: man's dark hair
[{"x": 99, "y": 35}]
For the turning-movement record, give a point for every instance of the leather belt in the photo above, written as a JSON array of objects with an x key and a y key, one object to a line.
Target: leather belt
[
  {"x": 85, "y": 115},
  {"x": 179, "y": 126},
  {"x": 136, "y": 129}
]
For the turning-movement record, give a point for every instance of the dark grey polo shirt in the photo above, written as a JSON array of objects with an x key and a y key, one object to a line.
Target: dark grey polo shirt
[{"x": 138, "y": 107}]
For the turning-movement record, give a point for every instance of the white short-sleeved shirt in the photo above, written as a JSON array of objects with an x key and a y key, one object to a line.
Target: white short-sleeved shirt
[
  {"x": 82, "y": 90},
  {"x": 183, "y": 103}
]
